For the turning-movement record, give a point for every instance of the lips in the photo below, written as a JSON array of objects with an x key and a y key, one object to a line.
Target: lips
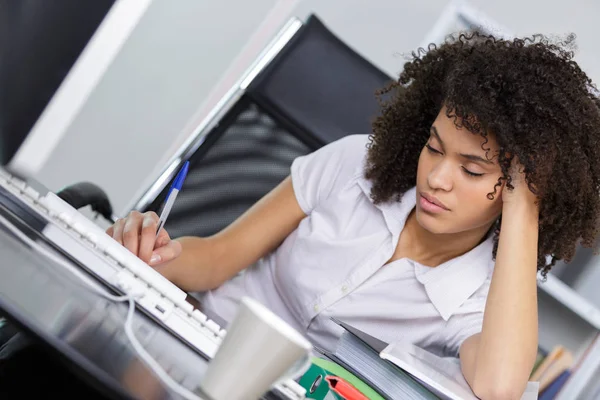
[{"x": 434, "y": 200}]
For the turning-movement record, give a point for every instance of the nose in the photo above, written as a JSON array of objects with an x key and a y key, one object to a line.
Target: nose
[{"x": 440, "y": 177}]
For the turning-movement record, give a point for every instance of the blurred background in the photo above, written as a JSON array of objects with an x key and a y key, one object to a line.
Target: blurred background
[{"x": 185, "y": 55}]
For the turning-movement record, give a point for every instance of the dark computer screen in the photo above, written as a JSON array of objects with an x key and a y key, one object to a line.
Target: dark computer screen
[{"x": 39, "y": 42}]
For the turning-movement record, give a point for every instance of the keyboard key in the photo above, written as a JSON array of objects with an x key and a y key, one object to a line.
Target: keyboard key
[
  {"x": 198, "y": 337},
  {"x": 213, "y": 326},
  {"x": 199, "y": 316},
  {"x": 19, "y": 184},
  {"x": 157, "y": 305},
  {"x": 31, "y": 192},
  {"x": 186, "y": 306}
]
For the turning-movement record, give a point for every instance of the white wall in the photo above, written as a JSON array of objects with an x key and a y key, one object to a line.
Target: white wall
[
  {"x": 161, "y": 76},
  {"x": 553, "y": 17}
]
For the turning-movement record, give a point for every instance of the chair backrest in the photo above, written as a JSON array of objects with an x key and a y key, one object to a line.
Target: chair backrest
[
  {"x": 316, "y": 90},
  {"x": 320, "y": 86}
]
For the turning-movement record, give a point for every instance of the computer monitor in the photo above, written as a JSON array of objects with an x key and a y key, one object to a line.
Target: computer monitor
[{"x": 52, "y": 56}]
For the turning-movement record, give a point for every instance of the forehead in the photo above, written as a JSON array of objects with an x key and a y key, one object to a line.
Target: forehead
[{"x": 459, "y": 136}]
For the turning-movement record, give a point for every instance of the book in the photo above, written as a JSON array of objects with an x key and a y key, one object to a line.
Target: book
[
  {"x": 365, "y": 362},
  {"x": 541, "y": 355},
  {"x": 405, "y": 371},
  {"x": 552, "y": 390},
  {"x": 558, "y": 361},
  {"x": 583, "y": 379}
]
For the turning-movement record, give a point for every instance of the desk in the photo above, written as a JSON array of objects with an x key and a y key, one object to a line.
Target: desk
[{"x": 85, "y": 330}]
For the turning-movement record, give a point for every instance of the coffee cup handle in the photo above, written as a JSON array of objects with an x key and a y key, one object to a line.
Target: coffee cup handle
[{"x": 296, "y": 370}]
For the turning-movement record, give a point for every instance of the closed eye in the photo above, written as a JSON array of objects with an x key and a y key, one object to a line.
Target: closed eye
[
  {"x": 432, "y": 150},
  {"x": 470, "y": 173}
]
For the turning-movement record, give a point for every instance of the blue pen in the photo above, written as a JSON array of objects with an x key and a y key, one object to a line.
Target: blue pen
[{"x": 172, "y": 195}]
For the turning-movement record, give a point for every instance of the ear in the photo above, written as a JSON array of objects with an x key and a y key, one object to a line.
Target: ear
[{"x": 502, "y": 188}]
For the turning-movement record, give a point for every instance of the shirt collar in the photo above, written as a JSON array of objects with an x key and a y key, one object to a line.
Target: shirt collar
[
  {"x": 450, "y": 284},
  {"x": 394, "y": 213}
]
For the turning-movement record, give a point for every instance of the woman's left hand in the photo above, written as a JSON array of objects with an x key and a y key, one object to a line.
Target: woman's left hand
[{"x": 521, "y": 194}]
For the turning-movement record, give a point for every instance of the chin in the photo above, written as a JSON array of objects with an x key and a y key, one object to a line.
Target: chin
[{"x": 431, "y": 223}]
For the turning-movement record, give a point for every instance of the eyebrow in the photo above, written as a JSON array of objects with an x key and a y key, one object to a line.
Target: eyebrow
[{"x": 471, "y": 157}]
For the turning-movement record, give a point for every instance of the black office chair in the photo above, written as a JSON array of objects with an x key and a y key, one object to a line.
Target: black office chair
[{"x": 314, "y": 90}]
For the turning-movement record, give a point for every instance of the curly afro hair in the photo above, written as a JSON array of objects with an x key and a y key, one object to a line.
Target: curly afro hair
[{"x": 539, "y": 105}]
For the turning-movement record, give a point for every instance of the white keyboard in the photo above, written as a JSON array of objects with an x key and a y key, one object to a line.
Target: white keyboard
[{"x": 107, "y": 259}]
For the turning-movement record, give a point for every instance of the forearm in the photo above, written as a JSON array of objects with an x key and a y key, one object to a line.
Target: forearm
[
  {"x": 206, "y": 263},
  {"x": 197, "y": 268},
  {"x": 508, "y": 342}
]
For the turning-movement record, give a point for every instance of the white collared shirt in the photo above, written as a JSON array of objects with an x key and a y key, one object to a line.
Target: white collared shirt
[{"x": 332, "y": 265}]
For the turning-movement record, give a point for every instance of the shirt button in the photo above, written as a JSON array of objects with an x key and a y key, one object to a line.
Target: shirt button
[
  {"x": 316, "y": 307},
  {"x": 344, "y": 288}
]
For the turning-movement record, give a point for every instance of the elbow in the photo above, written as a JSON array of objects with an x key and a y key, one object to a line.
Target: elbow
[
  {"x": 498, "y": 390},
  {"x": 500, "y": 383}
]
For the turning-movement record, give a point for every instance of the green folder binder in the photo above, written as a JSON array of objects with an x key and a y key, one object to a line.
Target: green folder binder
[{"x": 317, "y": 388}]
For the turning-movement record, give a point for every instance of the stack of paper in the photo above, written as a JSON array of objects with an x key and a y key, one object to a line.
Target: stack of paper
[{"x": 359, "y": 353}]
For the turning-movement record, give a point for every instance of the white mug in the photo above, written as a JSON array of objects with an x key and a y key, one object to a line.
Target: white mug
[{"x": 259, "y": 351}]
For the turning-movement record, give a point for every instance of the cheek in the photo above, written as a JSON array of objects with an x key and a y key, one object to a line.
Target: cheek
[
  {"x": 422, "y": 166},
  {"x": 477, "y": 208}
]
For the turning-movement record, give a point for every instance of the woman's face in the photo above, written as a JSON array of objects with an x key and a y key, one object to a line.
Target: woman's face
[{"x": 454, "y": 172}]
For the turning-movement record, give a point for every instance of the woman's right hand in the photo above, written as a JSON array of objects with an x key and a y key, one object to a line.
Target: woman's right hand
[{"x": 137, "y": 232}]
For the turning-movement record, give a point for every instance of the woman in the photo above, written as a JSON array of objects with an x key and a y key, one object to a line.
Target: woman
[{"x": 480, "y": 172}]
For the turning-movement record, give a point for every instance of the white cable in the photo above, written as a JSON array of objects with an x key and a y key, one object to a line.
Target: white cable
[
  {"x": 137, "y": 346},
  {"x": 150, "y": 361}
]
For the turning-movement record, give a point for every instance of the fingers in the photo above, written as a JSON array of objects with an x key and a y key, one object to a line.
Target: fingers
[
  {"x": 148, "y": 239},
  {"x": 117, "y": 230},
  {"x": 165, "y": 253},
  {"x": 137, "y": 232},
  {"x": 131, "y": 231},
  {"x": 162, "y": 239}
]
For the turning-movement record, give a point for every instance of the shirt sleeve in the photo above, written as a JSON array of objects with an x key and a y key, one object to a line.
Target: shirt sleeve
[
  {"x": 318, "y": 174},
  {"x": 459, "y": 329}
]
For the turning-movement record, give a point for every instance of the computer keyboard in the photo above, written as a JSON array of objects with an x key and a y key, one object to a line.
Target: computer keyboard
[{"x": 112, "y": 263}]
